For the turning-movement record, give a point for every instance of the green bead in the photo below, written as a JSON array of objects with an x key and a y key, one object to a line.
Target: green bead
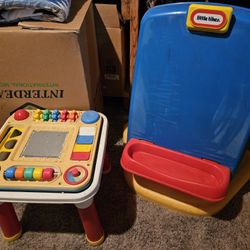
[{"x": 28, "y": 173}]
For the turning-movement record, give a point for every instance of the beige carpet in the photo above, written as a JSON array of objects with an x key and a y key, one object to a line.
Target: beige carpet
[{"x": 129, "y": 221}]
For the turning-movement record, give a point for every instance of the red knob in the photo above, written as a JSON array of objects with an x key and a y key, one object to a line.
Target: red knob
[
  {"x": 48, "y": 174},
  {"x": 75, "y": 172},
  {"x": 21, "y": 114}
]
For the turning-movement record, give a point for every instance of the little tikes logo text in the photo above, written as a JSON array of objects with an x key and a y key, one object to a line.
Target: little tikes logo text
[
  {"x": 213, "y": 19},
  {"x": 30, "y": 90},
  {"x": 209, "y": 18}
]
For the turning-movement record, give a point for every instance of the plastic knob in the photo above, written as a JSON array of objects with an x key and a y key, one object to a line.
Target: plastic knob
[
  {"x": 55, "y": 115},
  {"x": 75, "y": 172},
  {"x": 19, "y": 173},
  {"x": 48, "y": 174},
  {"x": 73, "y": 115},
  {"x": 38, "y": 174},
  {"x": 46, "y": 115},
  {"x": 64, "y": 115},
  {"x": 10, "y": 173},
  {"x": 37, "y": 115},
  {"x": 90, "y": 117},
  {"x": 75, "y": 175},
  {"x": 28, "y": 173},
  {"x": 21, "y": 115}
]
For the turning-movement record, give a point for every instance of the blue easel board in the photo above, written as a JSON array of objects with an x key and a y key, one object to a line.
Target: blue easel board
[{"x": 191, "y": 90}]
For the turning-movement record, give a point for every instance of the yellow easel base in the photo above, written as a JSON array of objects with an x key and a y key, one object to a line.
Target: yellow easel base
[
  {"x": 13, "y": 238},
  {"x": 181, "y": 202},
  {"x": 96, "y": 243}
]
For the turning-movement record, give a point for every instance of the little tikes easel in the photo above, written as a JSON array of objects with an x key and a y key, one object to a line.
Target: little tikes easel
[{"x": 189, "y": 119}]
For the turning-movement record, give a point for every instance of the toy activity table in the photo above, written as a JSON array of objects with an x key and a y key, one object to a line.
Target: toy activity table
[
  {"x": 52, "y": 156},
  {"x": 189, "y": 124}
]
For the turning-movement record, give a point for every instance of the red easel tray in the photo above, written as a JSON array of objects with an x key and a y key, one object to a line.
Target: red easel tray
[{"x": 198, "y": 177}]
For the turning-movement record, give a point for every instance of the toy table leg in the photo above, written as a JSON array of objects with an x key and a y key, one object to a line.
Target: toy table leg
[
  {"x": 91, "y": 224},
  {"x": 9, "y": 223},
  {"x": 106, "y": 164}
]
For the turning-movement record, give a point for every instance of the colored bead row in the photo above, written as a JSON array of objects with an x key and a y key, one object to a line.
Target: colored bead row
[{"x": 37, "y": 174}]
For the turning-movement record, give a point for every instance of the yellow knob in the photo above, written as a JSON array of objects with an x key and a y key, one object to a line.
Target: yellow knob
[{"x": 38, "y": 174}]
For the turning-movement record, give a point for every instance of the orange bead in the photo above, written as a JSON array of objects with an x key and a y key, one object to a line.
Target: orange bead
[{"x": 19, "y": 173}]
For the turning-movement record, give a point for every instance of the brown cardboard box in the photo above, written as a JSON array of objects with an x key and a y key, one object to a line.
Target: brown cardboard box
[
  {"x": 52, "y": 65},
  {"x": 111, "y": 48}
]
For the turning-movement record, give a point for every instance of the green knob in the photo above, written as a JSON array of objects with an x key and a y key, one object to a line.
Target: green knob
[{"x": 28, "y": 173}]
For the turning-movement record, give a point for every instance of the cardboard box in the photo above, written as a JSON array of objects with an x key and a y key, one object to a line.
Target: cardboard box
[
  {"x": 52, "y": 65},
  {"x": 111, "y": 48}
]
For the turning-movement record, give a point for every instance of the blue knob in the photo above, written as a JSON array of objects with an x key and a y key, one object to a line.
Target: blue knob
[
  {"x": 10, "y": 173},
  {"x": 90, "y": 117}
]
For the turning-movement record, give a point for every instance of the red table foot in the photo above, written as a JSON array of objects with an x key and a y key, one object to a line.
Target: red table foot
[
  {"x": 9, "y": 223},
  {"x": 91, "y": 225},
  {"x": 106, "y": 165}
]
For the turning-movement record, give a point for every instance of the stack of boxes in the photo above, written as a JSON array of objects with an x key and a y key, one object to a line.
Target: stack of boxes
[
  {"x": 111, "y": 47},
  {"x": 56, "y": 65}
]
